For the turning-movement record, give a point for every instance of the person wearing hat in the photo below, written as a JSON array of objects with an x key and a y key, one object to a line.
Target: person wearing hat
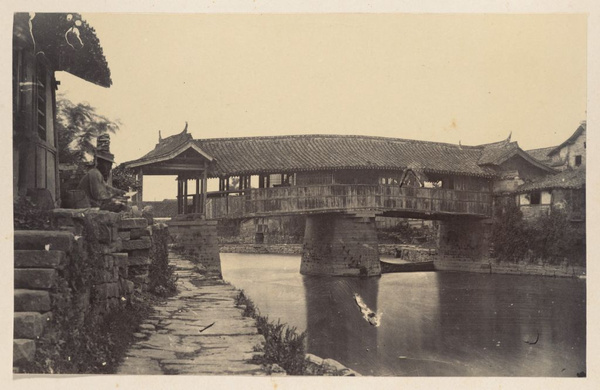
[{"x": 94, "y": 185}]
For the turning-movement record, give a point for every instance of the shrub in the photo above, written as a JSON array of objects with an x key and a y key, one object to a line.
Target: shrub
[
  {"x": 29, "y": 216},
  {"x": 163, "y": 281},
  {"x": 549, "y": 238},
  {"x": 283, "y": 345}
]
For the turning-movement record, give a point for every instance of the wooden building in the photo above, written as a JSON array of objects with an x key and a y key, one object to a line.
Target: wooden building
[
  {"x": 44, "y": 43},
  {"x": 568, "y": 155}
]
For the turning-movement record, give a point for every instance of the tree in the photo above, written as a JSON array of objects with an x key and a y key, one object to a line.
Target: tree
[
  {"x": 78, "y": 125},
  {"x": 124, "y": 179}
]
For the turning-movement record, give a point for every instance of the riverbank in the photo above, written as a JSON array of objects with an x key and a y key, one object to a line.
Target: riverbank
[
  {"x": 491, "y": 267},
  {"x": 414, "y": 252},
  {"x": 205, "y": 330},
  {"x": 198, "y": 331}
]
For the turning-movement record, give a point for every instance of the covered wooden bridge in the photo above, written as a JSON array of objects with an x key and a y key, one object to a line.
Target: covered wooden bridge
[{"x": 339, "y": 182}]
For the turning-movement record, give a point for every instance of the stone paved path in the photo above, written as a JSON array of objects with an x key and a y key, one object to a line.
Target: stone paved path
[{"x": 175, "y": 340}]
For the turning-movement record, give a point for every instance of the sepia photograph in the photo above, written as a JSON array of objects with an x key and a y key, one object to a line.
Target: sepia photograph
[{"x": 299, "y": 194}]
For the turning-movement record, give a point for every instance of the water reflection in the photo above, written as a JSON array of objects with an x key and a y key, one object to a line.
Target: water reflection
[
  {"x": 335, "y": 325},
  {"x": 433, "y": 323}
]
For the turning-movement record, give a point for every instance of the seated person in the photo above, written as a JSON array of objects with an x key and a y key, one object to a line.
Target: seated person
[{"x": 99, "y": 193}]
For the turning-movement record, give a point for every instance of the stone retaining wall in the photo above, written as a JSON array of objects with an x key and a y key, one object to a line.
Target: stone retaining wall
[
  {"x": 289, "y": 249},
  {"x": 491, "y": 267},
  {"x": 197, "y": 239},
  {"x": 48, "y": 263}
]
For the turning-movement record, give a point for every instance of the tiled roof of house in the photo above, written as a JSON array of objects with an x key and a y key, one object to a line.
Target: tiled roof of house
[
  {"x": 541, "y": 154},
  {"x": 567, "y": 179},
  {"x": 569, "y": 140},
  {"x": 69, "y": 43},
  {"x": 496, "y": 154}
]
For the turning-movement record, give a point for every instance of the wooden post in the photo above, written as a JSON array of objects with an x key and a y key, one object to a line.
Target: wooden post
[
  {"x": 185, "y": 195},
  {"x": 179, "y": 208},
  {"x": 204, "y": 190},
  {"x": 197, "y": 197},
  {"x": 140, "y": 194}
]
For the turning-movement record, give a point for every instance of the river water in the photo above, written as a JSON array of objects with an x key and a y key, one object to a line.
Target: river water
[{"x": 432, "y": 323}]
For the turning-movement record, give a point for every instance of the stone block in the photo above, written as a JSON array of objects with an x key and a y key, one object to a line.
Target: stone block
[
  {"x": 114, "y": 246},
  {"x": 104, "y": 276},
  {"x": 133, "y": 261},
  {"x": 43, "y": 240},
  {"x": 333, "y": 366},
  {"x": 314, "y": 359},
  {"x": 35, "y": 278},
  {"x": 140, "y": 243},
  {"x": 121, "y": 260},
  {"x": 23, "y": 351},
  {"x": 126, "y": 286},
  {"x": 40, "y": 259},
  {"x": 105, "y": 291},
  {"x": 137, "y": 233},
  {"x": 28, "y": 325},
  {"x": 109, "y": 261},
  {"x": 133, "y": 223},
  {"x": 139, "y": 253},
  {"x": 125, "y": 235}
]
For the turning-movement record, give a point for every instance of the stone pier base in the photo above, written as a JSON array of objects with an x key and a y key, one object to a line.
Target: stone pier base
[
  {"x": 340, "y": 245},
  {"x": 197, "y": 238},
  {"x": 464, "y": 239}
]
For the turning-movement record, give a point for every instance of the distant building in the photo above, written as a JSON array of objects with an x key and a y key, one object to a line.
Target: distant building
[
  {"x": 564, "y": 190},
  {"x": 568, "y": 155},
  {"x": 42, "y": 44}
]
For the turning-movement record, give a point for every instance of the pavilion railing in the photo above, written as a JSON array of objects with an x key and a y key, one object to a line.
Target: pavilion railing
[{"x": 341, "y": 197}]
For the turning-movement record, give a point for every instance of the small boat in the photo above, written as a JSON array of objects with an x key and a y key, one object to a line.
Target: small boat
[{"x": 422, "y": 266}]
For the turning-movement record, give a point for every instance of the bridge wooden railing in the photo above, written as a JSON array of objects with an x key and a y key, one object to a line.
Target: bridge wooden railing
[{"x": 341, "y": 197}]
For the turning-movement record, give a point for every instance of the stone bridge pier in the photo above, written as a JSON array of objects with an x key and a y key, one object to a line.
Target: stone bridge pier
[
  {"x": 463, "y": 239},
  {"x": 340, "y": 245}
]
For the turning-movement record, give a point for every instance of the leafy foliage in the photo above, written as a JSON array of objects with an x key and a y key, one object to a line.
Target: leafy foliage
[
  {"x": 163, "y": 281},
  {"x": 124, "y": 179},
  {"x": 283, "y": 344},
  {"x": 548, "y": 238},
  {"x": 78, "y": 125},
  {"x": 29, "y": 216},
  {"x": 510, "y": 234}
]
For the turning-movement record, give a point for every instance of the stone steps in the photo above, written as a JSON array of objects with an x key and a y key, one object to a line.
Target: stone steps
[{"x": 43, "y": 240}]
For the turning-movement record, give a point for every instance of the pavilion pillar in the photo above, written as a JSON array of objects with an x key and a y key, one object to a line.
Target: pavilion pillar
[
  {"x": 204, "y": 190},
  {"x": 139, "y": 196},
  {"x": 340, "y": 245}
]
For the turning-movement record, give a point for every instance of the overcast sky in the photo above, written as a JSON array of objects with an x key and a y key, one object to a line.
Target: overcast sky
[{"x": 447, "y": 78}]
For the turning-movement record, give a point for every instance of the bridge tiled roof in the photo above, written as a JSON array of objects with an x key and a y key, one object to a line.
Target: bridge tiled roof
[
  {"x": 255, "y": 155},
  {"x": 297, "y": 153}
]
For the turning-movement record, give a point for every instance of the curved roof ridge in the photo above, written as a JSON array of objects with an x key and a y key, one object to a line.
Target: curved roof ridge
[{"x": 340, "y": 136}]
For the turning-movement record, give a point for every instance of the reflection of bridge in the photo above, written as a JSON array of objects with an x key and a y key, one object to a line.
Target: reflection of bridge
[{"x": 341, "y": 183}]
